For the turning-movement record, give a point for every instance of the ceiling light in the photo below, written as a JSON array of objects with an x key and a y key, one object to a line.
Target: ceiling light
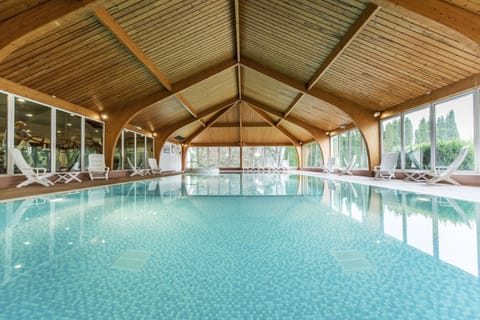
[
  {"x": 343, "y": 126},
  {"x": 104, "y": 116},
  {"x": 377, "y": 114},
  {"x": 327, "y": 133}
]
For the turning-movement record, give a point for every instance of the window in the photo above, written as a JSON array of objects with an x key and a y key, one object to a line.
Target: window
[
  {"x": 222, "y": 157},
  {"x": 93, "y": 138},
  {"x": 346, "y": 145},
  {"x": 270, "y": 157},
  {"x": 417, "y": 139},
  {"x": 140, "y": 161},
  {"x": 391, "y": 136},
  {"x": 454, "y": 129},
  {"x": 129, "y": 148},
  {"x": 312, "y": 156},
  {"x": 68, "y": 133},
  {"x": 117, "y": 154},
  {"x": 32, "y": 132}
]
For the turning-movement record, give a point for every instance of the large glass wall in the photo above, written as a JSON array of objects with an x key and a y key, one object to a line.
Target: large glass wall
[
  {"x": 454, "y": 128},
  {"x": 270, "y": 157},
  {"x": 346, "y": 145},
  {"x": 3, "y": 133},
  {"x": 68, "y": 133},
  {"x": 312, "y": 156},
  {"x": 439, "y": 129},
  {"x": 32, "y": 132},
  {"x": 48, "y": 138},
  {"x": 222, "y": 157}
]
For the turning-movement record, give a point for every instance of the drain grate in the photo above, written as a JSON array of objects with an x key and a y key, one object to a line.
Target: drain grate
[
  {"x": 352, "y": 261},
  {"x": 131, "y": 260}
]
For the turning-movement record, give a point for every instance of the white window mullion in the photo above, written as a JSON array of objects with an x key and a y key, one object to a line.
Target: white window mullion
[
  {"x": 476, "y": 126},
  {"x": 433, "y": 137},
  {"x": 53, "y": 140}
]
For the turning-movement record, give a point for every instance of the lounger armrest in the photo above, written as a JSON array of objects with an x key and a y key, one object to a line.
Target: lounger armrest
[{"x": 377, "y": 168}]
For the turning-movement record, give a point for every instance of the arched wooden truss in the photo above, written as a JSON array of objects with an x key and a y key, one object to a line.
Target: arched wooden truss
[{"x": 238, "y": 72}]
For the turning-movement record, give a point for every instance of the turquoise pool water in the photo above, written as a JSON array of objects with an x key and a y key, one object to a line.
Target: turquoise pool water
[{"x": 233, "y": 246}]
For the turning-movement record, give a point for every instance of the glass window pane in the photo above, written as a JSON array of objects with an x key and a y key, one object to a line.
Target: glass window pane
[
  {"x": 129, "y": 148},
  {"x": 117, "y": 154},
  {"x": 93, "y": 138},
  {"x": 334, "y": 141},
  {"x": 140, "y": 160},
  {"x": 358, "y": 148},
  {"x": 3, "y": 133},
  {"x": 454, "y": 129},
  {"x": 417, "y": 139},
  {"x": 343, "y": 158},
  {"x": 68, "y": 133},
  {"x": 32, "y": 132},
  {"x": 150, "y": 153},
  {"x": 312, "y": 156},
  {"x": 391, "y": 136}
]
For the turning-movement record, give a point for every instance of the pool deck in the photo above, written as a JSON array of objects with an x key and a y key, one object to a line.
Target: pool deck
[{"x": 468, "y": 193}]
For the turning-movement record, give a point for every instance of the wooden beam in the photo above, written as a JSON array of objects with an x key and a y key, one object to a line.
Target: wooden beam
[
  {"x": 237, "y": 125},
  {"x": 265, "y": 117},
  {"x": 29, "y": 93},
  {"x": 237, "y": 46},
  {"x": 441, "y": 93},
  {"x": 107, "y": 20},
  {"x": 208, "y": 124},
  {"x": 43, "y": 18},
  {"x": 313, "y": 130},
  {"x": 354, "y": 30},
  {"x": 184, "y": 102},
  {"x": 449, "y": 19},
  {"x": 291, "y": 107}
]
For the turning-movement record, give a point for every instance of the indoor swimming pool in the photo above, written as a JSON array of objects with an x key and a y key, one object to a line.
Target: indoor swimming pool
[{"x": 239, "y": 246}]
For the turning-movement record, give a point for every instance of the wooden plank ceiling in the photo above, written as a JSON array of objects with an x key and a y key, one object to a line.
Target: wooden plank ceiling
[{"x": 231, "y": 72}]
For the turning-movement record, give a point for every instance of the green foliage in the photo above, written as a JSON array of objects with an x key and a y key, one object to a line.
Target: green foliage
[{"x": 422, "y": 134}]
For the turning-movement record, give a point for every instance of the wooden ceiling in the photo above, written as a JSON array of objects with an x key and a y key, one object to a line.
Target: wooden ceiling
[{"x": 230, "y": 72}]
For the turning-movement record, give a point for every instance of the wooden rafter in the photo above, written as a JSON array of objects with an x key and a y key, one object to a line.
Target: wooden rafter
[
  {"x": 237, "y": 125},
  {"x": 208, "y": 124},
  {"x": 265, "y": 117},
  {"x": 107, "y": 20},
  {"x": 357, "y": 112},
  {"x": 237, "y": 45},
  {"x": 464, "y": 24},
  {"x": 167, "y": 131},
  {"x": 355, "y": 29},
  {"x": 38, "y": 21},
  {"x": 184, "y": 102},
  {"x": 291, "y": 107},
  {"x": 315, "y": 131}
]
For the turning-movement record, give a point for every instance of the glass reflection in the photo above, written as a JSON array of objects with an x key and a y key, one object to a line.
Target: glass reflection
[{"x": 3, "y": 133}]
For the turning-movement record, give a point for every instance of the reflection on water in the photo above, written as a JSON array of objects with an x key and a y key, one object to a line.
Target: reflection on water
[{"x": 39, "y": 231}]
